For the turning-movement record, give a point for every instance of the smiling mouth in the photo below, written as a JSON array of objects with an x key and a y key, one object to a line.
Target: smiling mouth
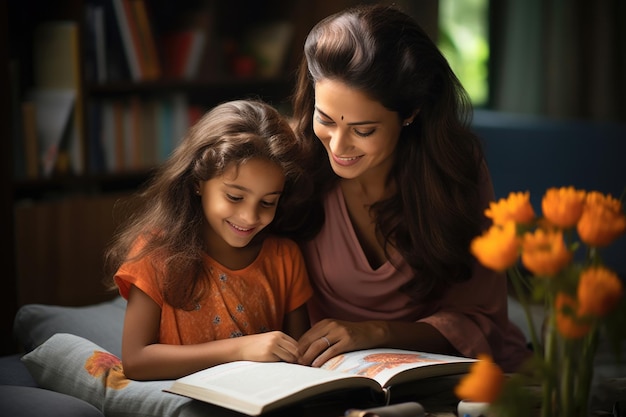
[
  {"x": 346, "y": 161},
  {"x": 241, "y": 229}
]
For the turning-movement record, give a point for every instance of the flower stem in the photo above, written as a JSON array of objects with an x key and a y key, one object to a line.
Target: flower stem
[
  {"x": 585, "y": 372},
  {"x": 517, "y": 280},
  {"x": 550, "y": 355},
  {"x": 566, "y": 386}
]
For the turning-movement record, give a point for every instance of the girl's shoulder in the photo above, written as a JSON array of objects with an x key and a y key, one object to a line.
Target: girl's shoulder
[{"x": 280, "y": 246}]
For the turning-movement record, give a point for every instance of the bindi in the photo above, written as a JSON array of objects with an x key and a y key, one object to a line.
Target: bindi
[{"x": 342, "y": 117}]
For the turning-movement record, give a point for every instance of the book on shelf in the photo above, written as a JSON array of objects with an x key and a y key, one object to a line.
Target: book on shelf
[
  {"x": 129, "y": 36},
  {"x": 269, "y": 44},
  {"x": 58, "y": 93},
  {"x": 109, "y": 49},
  {"x": 182, "y": 52},
  {"x": 54, "y": 113},
  {"x": 95, "y": 43},
  {"x": 255, "y": 388},
  {"x": 135, "y": 133},
  {"x": 137, "y": 39},
  {"x": 147, "y": 49},
  {"x": 30, "y": 139},
  {"x": 97, "y": 161}
]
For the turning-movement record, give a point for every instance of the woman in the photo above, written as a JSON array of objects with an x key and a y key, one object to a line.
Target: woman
[{"x": 401, "y": 189}]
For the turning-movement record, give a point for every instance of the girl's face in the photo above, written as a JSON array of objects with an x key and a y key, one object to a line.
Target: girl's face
[
  {"x": 241, "y": 202},
  {"x": 359, "y": 134}
]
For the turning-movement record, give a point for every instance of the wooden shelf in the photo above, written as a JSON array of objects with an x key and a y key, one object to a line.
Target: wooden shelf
[
  {"x": 55, "y": 187},
  {"x": 209, "y": 93}
]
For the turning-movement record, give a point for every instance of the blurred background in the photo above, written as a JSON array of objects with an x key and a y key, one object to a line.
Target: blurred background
[
  {"x": 96, "y": 93},
  {"x": 559, "y": 58}
]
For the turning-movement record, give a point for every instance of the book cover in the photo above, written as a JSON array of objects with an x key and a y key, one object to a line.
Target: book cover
[{"x": 255, "y": 388}]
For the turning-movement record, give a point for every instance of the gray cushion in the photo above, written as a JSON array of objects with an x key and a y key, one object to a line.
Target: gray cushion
[{"x": 101, "y": 323}]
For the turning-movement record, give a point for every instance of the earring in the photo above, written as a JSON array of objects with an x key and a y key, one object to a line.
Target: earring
[
  {"x": 197, "y": 192},
  {"x": 406, "y": 124}
]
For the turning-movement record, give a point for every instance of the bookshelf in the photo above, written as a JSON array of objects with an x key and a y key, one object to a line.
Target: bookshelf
[{"x": 56, "y": 223}]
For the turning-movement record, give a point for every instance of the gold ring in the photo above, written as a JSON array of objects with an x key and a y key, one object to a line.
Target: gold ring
[{"x": 326, "y": 340}]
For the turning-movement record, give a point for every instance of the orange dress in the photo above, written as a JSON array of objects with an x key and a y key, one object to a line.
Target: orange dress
[{"x": 251, "y": 300}]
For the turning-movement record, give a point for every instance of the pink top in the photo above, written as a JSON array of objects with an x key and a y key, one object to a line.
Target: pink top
[{"x": 472, "y": 315}]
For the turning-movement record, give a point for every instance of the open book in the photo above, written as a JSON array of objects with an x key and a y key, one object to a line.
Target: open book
[{"x": 255, "y": 388}]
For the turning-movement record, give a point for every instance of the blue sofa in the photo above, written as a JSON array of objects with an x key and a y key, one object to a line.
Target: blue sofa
[{"x": 20, "y": 394}]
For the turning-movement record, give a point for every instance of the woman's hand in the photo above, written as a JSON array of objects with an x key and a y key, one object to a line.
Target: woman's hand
[
  {"x": 268, "y": 347},
  {"x": 328, "y": 338}
]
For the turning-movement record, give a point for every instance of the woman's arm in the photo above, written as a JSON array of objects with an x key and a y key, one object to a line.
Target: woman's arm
[
  {"x": 329, "y": 338},
  {"x": 144, "y": 358}
]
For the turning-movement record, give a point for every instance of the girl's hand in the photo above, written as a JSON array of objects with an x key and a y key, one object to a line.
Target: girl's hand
[
  {"x": 268, "y": 347},
  {"x": 329, "y": 338}
]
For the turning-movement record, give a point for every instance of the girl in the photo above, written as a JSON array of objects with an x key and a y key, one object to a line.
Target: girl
[{"x": 205, "y": 282}]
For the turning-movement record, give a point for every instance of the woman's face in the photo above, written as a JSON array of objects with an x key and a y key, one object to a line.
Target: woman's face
[{"x": 359, "y": 134}]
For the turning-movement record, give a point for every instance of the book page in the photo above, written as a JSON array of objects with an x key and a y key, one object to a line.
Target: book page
[
  {"x": 392, "y": 366},
  {"x": 250, "y": 386}
]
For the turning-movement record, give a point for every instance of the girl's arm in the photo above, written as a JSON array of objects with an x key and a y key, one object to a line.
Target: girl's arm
[{"x": 143, "y": 358}]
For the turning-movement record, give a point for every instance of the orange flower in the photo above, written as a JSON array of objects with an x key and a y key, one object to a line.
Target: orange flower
[
  {"x": 101, "y": 362},
  {"x": 483, "y": 383},
  {"x": 602, "y": 220},
  {"x": 544, "y": 252},
  {"x": 497, "y": 248},
  {"x": 516, "y": 207},
  {"x": 568, "y": 323},
  {"x": 563, "y": 206},
  {"x": 599, "y": 291},
  {"x": 108, "y": 366}
]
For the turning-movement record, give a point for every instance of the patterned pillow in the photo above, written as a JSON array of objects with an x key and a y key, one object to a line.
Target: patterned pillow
[{"x": 72, "y": 365}]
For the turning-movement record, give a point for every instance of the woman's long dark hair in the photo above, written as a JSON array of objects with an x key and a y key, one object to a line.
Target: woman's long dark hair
[
  {"x": 436, "y": 212},
  {"x": 171, "y": 219}
]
